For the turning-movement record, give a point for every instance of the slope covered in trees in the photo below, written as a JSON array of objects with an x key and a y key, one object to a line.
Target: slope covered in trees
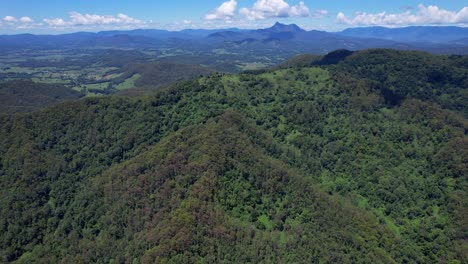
[
  {"x": 25, "y": 96},
  {"x": 154, "y": 75},
  {"x": 315, "y": 163}
]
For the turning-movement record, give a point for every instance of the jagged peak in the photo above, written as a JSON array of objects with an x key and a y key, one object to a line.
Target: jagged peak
[{"x": 283, "y": 27}]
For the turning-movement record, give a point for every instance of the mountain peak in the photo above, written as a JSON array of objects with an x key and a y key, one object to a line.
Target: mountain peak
[{"x": 283, "y": 27}]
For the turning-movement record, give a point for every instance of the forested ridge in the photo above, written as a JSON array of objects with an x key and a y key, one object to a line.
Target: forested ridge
[
  {"x": 25, "y": 96},
  {"x": 351, "y": 157}
]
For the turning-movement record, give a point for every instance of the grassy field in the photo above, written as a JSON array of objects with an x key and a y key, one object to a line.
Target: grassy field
[
  {"x": 128, "y": 83},
  {"x": 45, "y": 68}
]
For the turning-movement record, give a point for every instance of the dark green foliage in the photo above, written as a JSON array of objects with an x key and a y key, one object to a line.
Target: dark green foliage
[
  {"x": 24, "y": 96},
  {"x": 303, "y": 60},
  {"x": 334, "y": 57},
  {"x": 400, "y": 74},
  {"x": 296, "y": 165},
  {"x": 418, "y": 75},
  {"x": 160, "y": 74}
]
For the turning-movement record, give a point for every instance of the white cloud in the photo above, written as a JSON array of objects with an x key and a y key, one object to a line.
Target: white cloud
[
  {"x": 320, "y": 13},
  {"x": 430, "y": 15},
  {"x": 300, "y": 10},
  {"x": 10, "y": 19},
  {"x": 267, "y": 8},
  {"x": 56, "y": 22},
  {"x": 12, "y": 22},
  {"x": 26, "y": 20},
  {"x": 92, "y": 19},
  {"x": 78, "y": 19},
  {"x": 226, "y": 11},
  {"x": 263, "y": 9}
]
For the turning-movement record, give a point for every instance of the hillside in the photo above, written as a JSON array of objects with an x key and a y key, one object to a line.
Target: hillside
[
  {"x": 26, "y": 96},
  {"x": 343, "y": 158},
  {"x": 155, "y": 75}
]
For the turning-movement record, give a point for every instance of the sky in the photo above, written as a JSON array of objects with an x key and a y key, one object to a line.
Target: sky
[{"x": 62, "y": 16}]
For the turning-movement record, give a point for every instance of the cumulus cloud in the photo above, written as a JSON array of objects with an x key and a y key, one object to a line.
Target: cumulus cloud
[
  {"x": 26, "y": 20},
  {"x": 78, "y": 19},
  {"x": 17, "y": 23},
  {"x": 430, "y": 15},
  {"x": 226, "y": 11},
  {"x": 266, "y": 8},
  {"x": 56, "y": 22},
  {"x": 92, "y": 19},
  {"x": 10, "y": 19},
  {"x": 263, "y": 9},
  {"x": 300, "y": 10}
]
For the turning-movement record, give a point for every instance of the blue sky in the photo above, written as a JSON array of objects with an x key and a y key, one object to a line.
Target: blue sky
[{"x": 53, "y": 16}]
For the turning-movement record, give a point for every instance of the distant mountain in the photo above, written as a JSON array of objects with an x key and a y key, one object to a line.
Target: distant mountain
[
  {"x": 278, "y": 27},
  {"x": 291, "y": 38},
  {"x": 228, "y": 35},
  {"x": 433, "y": 34},
  {"x": 277, "y": 31},
  {"x": 75, "y": 40},
  {"x": 283, "y": 32},
  {"x": 463, "y": 41},
  {"x": 150, "y": 33},
  {"x": 286, "y": 40},
  {"x": 207, "y": 32},
  {"x": 166, "y": 34}
]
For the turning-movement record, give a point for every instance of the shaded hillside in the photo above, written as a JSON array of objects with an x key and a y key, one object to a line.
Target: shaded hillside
[
  {"x": 25, "y": 96},
  {"x": 302, "y": 164},
  {"x": 400, "y": 74},
  {"x": 154, "y": 75},
  {"x": 439, "y": 79}
]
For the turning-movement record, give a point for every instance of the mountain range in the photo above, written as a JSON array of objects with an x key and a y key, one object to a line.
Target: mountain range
[
  {"x": 428, "y": 34},
  {"x": 287, "y": 38}
]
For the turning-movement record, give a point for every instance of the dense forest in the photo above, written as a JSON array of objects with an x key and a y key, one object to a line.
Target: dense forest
[
  {"x": 350, "y": 157},
  {"x": 25, "y": 95}
]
